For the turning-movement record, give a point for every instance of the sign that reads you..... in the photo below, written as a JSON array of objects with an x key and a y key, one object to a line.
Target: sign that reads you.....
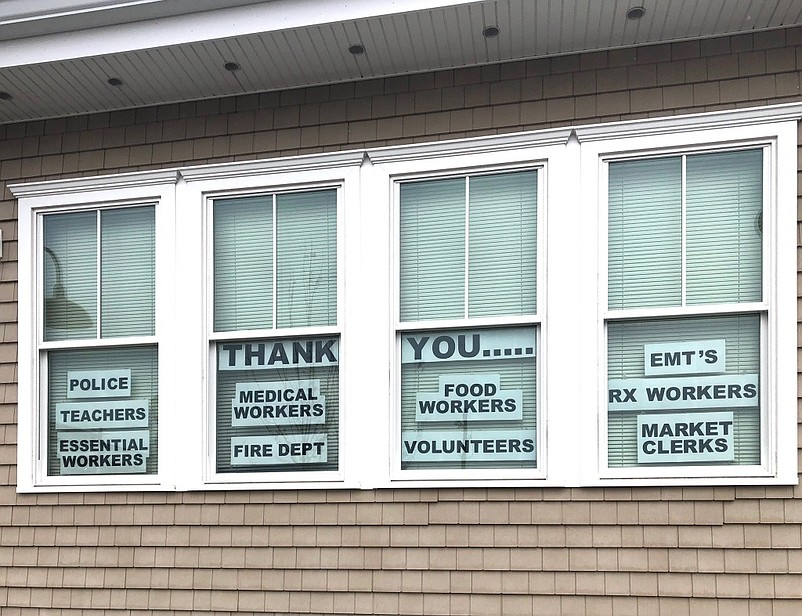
[
  {"x": 94, "y": 435},
  {"x": 507, "y": 343}
]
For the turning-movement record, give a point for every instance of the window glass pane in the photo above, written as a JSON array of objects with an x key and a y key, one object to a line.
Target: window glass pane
[
  {"x": 433, "y": 249},
  {"x": 128, "y": 271},
  {"x": 645, "y": 233},
  {"x": 278, "y": 405},
  {"x": 70, "y": 276},
  {"x": 243, "y": 263},
  {"x": 306, "y": 255},
  {"x": 724, "y": 206},
  {"x": 503, "y": 244},
  {"x": 684, "y": 391},
  {"x": 103, "y": 411},
  {"x": 469, "y": 399}
]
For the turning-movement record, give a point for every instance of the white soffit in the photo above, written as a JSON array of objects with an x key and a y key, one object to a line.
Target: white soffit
[{"x": 294, "y": 43}]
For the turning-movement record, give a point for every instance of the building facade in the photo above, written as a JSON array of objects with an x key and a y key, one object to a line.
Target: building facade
[{"x": 516, "y": 335}]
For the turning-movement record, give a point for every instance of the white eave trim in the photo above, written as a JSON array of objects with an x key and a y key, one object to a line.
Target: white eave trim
[{"x": 94, "y": 183}]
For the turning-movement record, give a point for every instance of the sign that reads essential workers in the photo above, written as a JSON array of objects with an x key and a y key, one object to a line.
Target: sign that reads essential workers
[
  {"x": 92, "y": 453},
  {"x": 279, "y": 449},
  {"x": 506, "y": 343},
  {"x": 264, "y": 355},
  {"x": 687, "y": 437},
  {"x": 688, "y": 357},
  {"x": 280, "y": 403},
  {"x": 99, "y": 383},
  {"x": 468, "y": 446},
  {"x": 702, "y": 392},
  {"x": 469, "y": 397},
  {"x": 102, "y": 414}
]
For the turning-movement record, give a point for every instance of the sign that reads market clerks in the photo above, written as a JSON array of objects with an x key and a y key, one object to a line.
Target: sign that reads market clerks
[
  {"x": 687, "y": 437},
  {"x": 97, "y": 429}
]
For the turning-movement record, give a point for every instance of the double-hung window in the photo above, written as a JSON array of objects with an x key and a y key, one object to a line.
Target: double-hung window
[{"x": 468, "y": 321}]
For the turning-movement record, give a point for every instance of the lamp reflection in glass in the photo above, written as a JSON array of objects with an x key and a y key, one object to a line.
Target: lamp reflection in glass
[{"x": 60, "y": 312}]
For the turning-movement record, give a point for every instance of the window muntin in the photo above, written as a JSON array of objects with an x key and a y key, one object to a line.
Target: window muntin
[
  {"x": 468, "y": 250},
  {"x": 275, "y": 272},
  {"x": 99, "y": 284},
  {"x": 685, "y": 232}
]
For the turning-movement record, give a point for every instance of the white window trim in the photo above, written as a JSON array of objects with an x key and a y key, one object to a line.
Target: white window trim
[{"x": 571, "y": 270}]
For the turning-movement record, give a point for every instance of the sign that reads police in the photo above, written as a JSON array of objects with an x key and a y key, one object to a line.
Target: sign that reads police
[
  {"x": 92, "y": 453},
  {"x": 469, "y": 397},
  {"x": 279, "y": 449},
  {"x": 99, "y": 383},
  {"x": 265, "y": 355},
  {"x": 687, "y": 437},
  {"x": 102, "y": 414},
  {"x": 468, "y": 446},
  {"x": 735, "y": 390},
  {"x": 689, "y": 357},
  {"x": 506, "y": 343},
  {"x": 281, "y": 403}
]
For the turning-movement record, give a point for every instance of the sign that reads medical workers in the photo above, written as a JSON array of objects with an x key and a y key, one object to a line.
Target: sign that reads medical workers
[
  {"x": 457, "y": 446},
  {"x": 100, "y": 452},
  {"x": 279, "y": 449},
  {"x": 686, "y": 437},
  {"x": 469, "y": 397},
  {"x": 688, "y": 357},
  {"x": 266, "y": 355},
  {"x": 99, "y": 383},
  {"x": 502, "y": 343},
  {"x": 280, "y": 403}
]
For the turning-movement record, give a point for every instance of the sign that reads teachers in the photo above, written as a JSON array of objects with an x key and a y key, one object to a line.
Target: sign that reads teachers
[
  {"x": 469, "y": 397},
  {"x": 687, "y": 437}
]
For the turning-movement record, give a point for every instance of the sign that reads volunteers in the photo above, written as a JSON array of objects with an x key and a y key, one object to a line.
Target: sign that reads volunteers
[
  {"x": 280, "y": 403},
  {"x": 468, "y": 446},
  {"x": 279, "y": 449},
  {"x": 506, "y": 343},
  {"x": 98, "y": 452},
  {"x": 264, "y": 355},
  {"x": 99, "y": 383},
  {"x": 469, "y": 397},
  {"x": 686, "y": 437},
  {"x": 689, "y": 357}
]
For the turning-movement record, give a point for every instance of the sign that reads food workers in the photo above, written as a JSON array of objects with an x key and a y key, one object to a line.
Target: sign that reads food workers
[
  {"x": 280, "y": 403},
  {"x": 468, "y": 446},
  {"x": 503, "y": 343},
  {"x": 688, "y": 357},
  {"x": 266, "y": 355},
  {"x": 469, "y": 397},
  {"x": 686, "y": 437},
  {"x": 99, "y": 383},
  {"x": 100, "y": 452},
  {"x": 279, "y": 449}
]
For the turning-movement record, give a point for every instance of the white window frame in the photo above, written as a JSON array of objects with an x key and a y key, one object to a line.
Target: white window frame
[
  {"x": 713, "y": 133},
  {"x": 91, "y": 194},
  {"x": 572, "y": 308}
]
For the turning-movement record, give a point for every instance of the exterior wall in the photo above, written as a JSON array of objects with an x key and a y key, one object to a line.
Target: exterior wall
[{"x": 694, "y": 551}]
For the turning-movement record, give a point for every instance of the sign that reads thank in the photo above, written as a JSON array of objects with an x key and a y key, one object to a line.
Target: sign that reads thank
[{"x": 266, "y": 355}]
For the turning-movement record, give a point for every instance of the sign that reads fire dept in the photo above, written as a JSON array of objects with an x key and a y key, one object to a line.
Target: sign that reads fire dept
[
  {"x": 686, "y": 437},
  {"x": 279, "y": 449}
]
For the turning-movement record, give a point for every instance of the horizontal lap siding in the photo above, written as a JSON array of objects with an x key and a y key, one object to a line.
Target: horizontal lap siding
[{"x": 683, "y": 551}]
